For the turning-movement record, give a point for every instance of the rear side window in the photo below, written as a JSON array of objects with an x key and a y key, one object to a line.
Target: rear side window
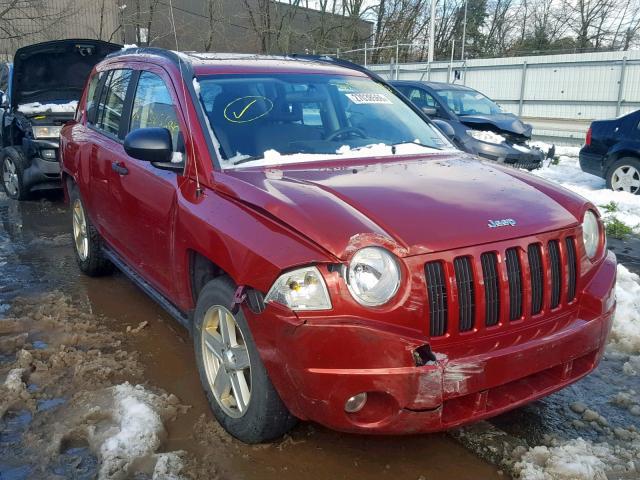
[
  {"x": 420, "y": 98},
  {"x": 92, "y": 94},
  {"x": 153, "y": 107},
  {"x": 111, "y": 105}
]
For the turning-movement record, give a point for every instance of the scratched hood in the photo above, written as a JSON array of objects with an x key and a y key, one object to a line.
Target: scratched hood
[
  {"x": 502, "y": 123},
  {"x": 411, "y": 206}
]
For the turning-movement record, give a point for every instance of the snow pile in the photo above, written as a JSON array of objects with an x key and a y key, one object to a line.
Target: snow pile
[
  {"x": 487, "y": 136},
  {"x": 568, "y": 174},
  {"x": 37, "y": 107},
  {"x": 136, "y": 433},
  {"x": 575, "y": 459},
  {"x": 625, "y": 334},
  {"x": 273, "y": 157}
]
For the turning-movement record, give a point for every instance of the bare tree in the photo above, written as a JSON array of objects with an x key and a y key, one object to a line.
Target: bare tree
[
  {"x": 260, "y": 20},
  {"x": 215, "y": 17},
  {"x": 25, "y": 21}
]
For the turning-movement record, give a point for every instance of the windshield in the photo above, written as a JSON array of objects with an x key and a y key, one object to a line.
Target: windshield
[
  {"x": 284, "y": 118},
  {"x": 468, "y": 102}
]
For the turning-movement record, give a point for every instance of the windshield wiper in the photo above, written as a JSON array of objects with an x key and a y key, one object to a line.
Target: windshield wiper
[
  {"x": 247, "y": 159},
  {"x": 394, "y": 145}
]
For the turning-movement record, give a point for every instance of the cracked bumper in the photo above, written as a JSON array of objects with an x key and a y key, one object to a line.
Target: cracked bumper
[{"x": 317, "y": 367}]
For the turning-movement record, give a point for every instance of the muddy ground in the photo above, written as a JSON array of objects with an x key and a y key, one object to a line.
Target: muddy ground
[{"x": 72, "y": 350}]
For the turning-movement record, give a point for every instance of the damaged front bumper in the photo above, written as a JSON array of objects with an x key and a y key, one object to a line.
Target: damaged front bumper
[
  {"x": 43, "y": 171},
  {"x": 519, "y": 156},
  {"x": 317, "y": 366}
]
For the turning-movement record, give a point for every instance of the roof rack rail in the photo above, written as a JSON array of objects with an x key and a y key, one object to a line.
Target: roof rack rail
[
  {"x": 161, "y": 52},
  {"x": 338, "y": 61}
]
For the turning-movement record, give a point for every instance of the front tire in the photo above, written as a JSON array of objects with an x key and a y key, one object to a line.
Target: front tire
[
  {"x": 236, "y": 383},
  {"x": 624, "y": 175},
  {"x": 12, "y": 168},
  {"x": 87, "y": 243}
]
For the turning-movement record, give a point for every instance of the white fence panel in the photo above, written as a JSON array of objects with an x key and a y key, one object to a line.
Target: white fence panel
[{"x": 559, "y": 94}]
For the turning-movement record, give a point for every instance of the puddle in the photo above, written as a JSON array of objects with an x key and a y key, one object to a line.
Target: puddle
[
  {"x": 82, "y": 350},
  {"x": 44, "y": 405}
]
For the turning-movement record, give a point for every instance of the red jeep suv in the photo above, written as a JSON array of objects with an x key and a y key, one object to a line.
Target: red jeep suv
[{"x": 333, "y": 256}]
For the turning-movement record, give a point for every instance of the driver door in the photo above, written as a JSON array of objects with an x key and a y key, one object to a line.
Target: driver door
[{"x": 144, "y": 195}]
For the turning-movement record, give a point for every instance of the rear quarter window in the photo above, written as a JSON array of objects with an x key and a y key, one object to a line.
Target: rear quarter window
[
  {"x": 92, "y": 96},
  {"x": 111, "y": 105}
]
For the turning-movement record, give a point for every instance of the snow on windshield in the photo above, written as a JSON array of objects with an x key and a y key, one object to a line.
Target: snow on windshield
[
  {"x": 37, "y": 107},
  {"x": 273, "y": 157}
]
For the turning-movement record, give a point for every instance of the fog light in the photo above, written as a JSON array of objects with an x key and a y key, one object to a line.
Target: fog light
[
  {"x": 355, "y": 403},
  {"x": 48, "y": 154}
]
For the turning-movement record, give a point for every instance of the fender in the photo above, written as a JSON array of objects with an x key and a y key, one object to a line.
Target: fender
[{"x": 250, "y": 247}]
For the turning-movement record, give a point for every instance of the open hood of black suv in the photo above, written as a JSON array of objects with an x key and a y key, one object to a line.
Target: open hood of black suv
[
  {"x": 501, "y": 123},
  {"x": 56, "y": 71}
]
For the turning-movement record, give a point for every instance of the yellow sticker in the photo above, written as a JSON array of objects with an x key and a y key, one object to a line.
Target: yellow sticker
[
  {"x": 40, "y": 117},
  {"x": 247, "y": 109}
]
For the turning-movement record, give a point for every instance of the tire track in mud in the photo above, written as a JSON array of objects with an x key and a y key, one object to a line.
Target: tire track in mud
[{"x": 73, "y": 350}]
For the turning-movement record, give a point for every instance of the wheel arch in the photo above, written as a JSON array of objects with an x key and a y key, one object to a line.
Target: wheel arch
[
  {"x": 201, "y": 271},
  {"x": 621, "y": 150}
]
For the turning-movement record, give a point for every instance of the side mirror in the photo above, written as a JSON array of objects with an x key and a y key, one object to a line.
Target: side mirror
[
  {"x": 446, "y": 128},
  {"x": 430, "y": 111},
  {"x": 152, "y": 145}
]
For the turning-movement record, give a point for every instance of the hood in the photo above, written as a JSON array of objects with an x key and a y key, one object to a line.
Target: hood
[
  {"x": 504, "y": 122},
  {"x": 56, "y": 71},
  {"x": 411, "y": 206}
]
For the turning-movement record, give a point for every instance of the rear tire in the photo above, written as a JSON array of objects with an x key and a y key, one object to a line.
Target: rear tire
[
  {"x": 624, "y": 175},
  {"x": 12, "y": 168},
  {"x": 240, "y": 393},
  {"x": 87, "y": 243}
]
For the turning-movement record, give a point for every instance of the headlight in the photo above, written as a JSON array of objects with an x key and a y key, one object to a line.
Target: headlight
[
  {"x": 590, "y": 233},
  {"x": 46, "y": 132},
  {"x": 302, "y": 289},
  {"x": 373, "y": 276},
  {"x": 486, "y": 136}
]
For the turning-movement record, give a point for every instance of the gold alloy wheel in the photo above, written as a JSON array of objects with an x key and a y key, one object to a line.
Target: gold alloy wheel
[
  {"x": 80, "y": 230},
  {"x": 226, "y": 361},
  {"x": 10, "y": 177}
]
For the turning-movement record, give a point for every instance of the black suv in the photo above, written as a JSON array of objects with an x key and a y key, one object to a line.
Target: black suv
[
  {"x": 612, "y": 151},
  {"x": 40, "y": 91}
]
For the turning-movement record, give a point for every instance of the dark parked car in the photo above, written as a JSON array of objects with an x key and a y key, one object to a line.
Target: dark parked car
[
  {"x": 479, "y": 125},
  {"x": 335, "y": 259},
  {"x": 40, "y": 91},
  {"x": 612, "y": 151}
]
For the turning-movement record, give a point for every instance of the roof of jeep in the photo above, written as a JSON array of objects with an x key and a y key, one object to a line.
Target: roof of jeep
[{"x": 207, "y": 63}]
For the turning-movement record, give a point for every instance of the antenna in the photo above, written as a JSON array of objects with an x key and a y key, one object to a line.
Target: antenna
[{"x": 184, "y": 95}]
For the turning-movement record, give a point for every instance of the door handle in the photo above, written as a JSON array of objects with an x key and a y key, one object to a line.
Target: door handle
[{"x": 119, "y": 168}]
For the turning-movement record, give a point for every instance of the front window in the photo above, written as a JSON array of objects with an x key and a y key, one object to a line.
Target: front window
[
  {"x": 153, "y": 107},
  {"x": 468, "y": 102},
  {"x": 285, "y": 118}
]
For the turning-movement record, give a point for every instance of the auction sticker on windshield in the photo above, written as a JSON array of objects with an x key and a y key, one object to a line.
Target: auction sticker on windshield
[{"x": 368, "y": 98}]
